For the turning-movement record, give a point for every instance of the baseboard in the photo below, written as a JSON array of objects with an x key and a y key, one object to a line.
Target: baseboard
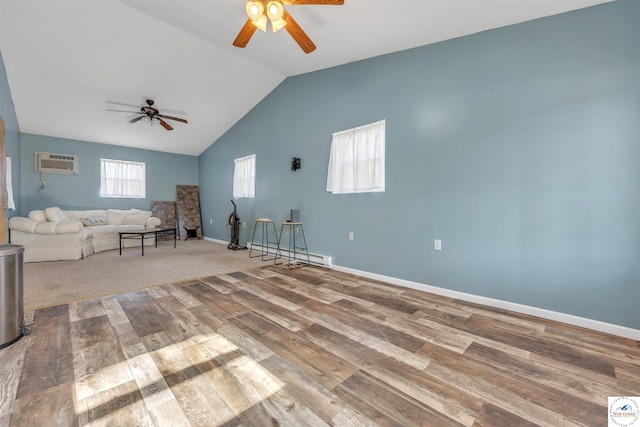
[
  {"x": 583, "y": 322},
  {"x": 314, "y": 259},
  {"x": 211, "y": 239}
]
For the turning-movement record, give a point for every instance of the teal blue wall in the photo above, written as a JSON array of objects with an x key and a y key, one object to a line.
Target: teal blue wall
[
  {"x": 12, "y": 135},
  {"x": 518, "y": 147},
  {"x": 164, "y": 170},
  {"x": 82, "y": 191}
]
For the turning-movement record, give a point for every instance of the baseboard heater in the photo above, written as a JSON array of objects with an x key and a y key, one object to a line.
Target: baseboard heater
[{"x": 315, "y": 259}]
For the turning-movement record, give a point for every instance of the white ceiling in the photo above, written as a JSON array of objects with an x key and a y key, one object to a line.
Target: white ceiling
[{"x": 68, "y": 61}]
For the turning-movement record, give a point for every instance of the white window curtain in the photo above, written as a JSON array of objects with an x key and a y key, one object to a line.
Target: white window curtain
[
  {"x": 356, "y": 162},
  {"x": 244, "y": 177},
  {"x": 11, "y": 205},
  {"x": 120, "y": 178}
]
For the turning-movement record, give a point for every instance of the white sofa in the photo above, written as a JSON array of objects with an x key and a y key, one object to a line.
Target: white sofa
[{"x": 54, "y": 235}]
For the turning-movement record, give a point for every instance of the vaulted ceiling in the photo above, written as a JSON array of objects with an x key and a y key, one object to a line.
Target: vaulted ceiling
[{"x": 69, "y": 61}]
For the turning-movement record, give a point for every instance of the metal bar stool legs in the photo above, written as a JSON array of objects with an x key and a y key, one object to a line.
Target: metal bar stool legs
[
  {"x": 295, "y": 252},
  {"x": 265, "y": 244}
]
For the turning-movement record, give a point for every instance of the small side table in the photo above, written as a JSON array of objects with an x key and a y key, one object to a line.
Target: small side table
[
  {"x": 265, "y": 243},
  {"x": 295, "y": 252}
]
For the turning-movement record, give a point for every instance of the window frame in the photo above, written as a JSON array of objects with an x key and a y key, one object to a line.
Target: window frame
[
  {"x": 119, "y": 190},
  {"x": 244, "y": 184},
  {"x": 357, "y": 160}
]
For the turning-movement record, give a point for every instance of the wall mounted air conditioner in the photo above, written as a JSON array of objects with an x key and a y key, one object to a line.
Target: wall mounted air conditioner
[{"x": 56, "y": 163}]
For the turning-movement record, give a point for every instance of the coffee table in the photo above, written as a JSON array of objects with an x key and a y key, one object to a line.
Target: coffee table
[{"x": 144, "y": 232}]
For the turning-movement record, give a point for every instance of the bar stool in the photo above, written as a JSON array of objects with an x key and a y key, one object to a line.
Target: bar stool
[
  {"x": 293, "y": 249},
  {"x": 264, "y": 242}
]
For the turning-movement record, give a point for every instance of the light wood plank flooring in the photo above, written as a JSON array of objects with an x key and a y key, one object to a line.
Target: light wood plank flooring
[{"x": 307, "y": 347}]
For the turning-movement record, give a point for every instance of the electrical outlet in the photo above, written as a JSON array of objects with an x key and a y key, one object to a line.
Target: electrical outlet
[
  {"x": 437, "y": 245},
  {"x": 210, "y": 220},
  {"x": 351, "y": 235}
]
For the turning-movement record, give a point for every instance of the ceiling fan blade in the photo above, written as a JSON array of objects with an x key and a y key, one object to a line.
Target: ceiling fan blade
[
  {"x": 172, "y": 118},
  {"x": 245, "y": 34},
  {"x": 327, "y": 2},
  {"x": 125, "y": 111},
  {"x": 135, "y": 119},
  {"x": 298, "y": 34},
  {"x": 122, "y": 104},
  {"x": 165, "y": 124}
]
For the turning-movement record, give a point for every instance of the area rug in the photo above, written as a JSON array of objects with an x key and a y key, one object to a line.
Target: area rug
[{"x": 107, "y": 273}]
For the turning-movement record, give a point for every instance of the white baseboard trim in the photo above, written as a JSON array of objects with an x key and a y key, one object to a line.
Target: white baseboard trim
[
  {"x": 211, "y": 239},
  {"x": 570, "y": 319},
  {"x": 314, "y": 259}
]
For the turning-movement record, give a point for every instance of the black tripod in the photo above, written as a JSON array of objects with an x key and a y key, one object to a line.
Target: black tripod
[{"x": 234, "y": 223}]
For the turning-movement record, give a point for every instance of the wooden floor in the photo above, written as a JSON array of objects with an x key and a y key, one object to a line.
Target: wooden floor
[{"x": 307, "y": 347}]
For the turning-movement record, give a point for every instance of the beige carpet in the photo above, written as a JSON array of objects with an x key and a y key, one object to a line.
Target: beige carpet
[{"x": 107, "y": 273}]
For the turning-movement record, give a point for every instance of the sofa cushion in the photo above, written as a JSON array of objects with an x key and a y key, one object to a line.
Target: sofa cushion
[
  {"x": 105, "y": 230},
  {"x": 38, "y": 215},
  {"x": 117, "y": 216},
  {"x": 55, "y": 214},
  {"x": 26, "y": 225},
  {"x": 45, "y": 228},
  {"x": 137, "y": 217},
  {"x": 129, "y": 227},
  {"x": 59, "y": 227},
  {"x": 93, "y": 221},
  {"x": 68, "y": 227}
]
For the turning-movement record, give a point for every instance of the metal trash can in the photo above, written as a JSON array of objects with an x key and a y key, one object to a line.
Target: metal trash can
[{"x": 11, "y": 294}]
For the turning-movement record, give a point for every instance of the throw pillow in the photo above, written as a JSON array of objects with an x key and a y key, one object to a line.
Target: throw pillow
[
  {"x": 55, "y": 214},
  {"x": 90, "y": 222},
  {"x": 37, "y": 215}
]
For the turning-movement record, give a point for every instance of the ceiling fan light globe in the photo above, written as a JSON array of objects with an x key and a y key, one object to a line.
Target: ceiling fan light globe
[
  {"x": 278, "y": 25},
  {"x": 254, "y": 9},
  {"x": 275, "y": 10},
  {"x": 261, "y": 23}
]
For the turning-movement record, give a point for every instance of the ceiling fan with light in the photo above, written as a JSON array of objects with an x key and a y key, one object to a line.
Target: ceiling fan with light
[
  {"x": 150, "y": 114},
  {"x": 262, "y": 11}
]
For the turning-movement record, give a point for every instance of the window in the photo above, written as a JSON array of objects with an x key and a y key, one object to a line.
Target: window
[
  {"x": 356, "y": 162},
  {"x": 244, "y": 177},
  {"x": 119, "y": 178}
]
